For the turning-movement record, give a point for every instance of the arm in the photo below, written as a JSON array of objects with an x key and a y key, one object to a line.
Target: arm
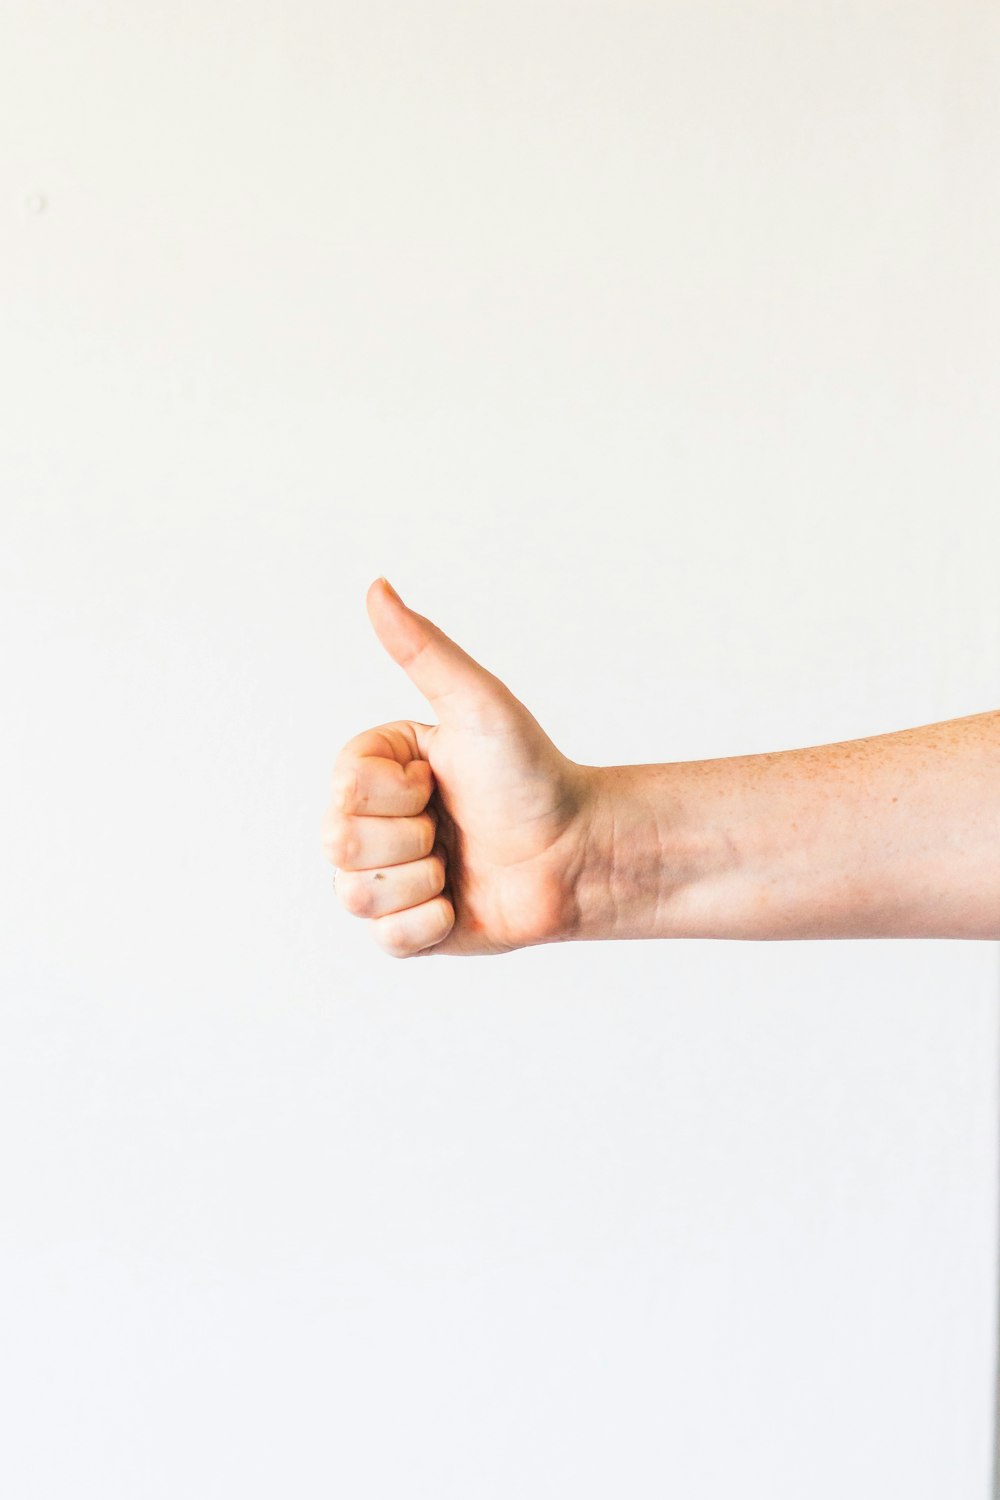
[
  {"x": 896, "y": 835},
  {"x": 477, "y": 835}
]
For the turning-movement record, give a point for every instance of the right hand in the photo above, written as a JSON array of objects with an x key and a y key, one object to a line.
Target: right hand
[{"x": 468, "y": 836}]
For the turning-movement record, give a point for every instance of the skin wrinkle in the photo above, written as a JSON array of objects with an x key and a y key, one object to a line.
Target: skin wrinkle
[{"x": 891, "y": 835}]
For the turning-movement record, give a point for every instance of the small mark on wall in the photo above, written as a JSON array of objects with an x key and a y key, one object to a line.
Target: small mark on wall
[{"x": 36, "y": 204}]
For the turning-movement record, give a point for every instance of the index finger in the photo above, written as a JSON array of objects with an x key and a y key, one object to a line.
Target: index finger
[{"x": 380, "y": 773}]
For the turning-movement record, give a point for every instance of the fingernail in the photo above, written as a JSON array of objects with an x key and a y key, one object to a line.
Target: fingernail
[{"x": 392, "y": 591}]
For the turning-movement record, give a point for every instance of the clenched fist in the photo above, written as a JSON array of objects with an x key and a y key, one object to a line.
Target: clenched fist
[
  {"x": 464, "y": 837},
  {"x": 476, "y": 835}
]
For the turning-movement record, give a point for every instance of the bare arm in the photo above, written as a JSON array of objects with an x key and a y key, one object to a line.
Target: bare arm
[
  {"x": 477, "y": 835},
  {"x": 896, "y": 835}
]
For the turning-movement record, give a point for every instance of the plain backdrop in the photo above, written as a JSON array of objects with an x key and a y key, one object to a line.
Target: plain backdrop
[{"x": 651, "y": 350}]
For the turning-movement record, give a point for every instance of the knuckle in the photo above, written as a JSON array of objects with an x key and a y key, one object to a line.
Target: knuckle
[
  {"x": 344, "y": 788},
  {"x": 394, "y": 948},
  {"x": 447, "y": 920},
  {"x": 428, "y": 831},
  {"x": 355, "y": 897},
  {"x": 391, "y": 939},
  {"x": 340, "y": 843},
  {"x": 420, "y": 777}
]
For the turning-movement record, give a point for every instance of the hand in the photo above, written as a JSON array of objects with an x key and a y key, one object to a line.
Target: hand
[{"x": 462, "y": 837}]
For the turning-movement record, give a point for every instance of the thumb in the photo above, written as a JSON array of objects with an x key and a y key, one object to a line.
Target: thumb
[{"x": 455, "y": 684}]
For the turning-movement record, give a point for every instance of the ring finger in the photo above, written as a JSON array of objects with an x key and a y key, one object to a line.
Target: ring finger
[{"x": 376, "y": 893}]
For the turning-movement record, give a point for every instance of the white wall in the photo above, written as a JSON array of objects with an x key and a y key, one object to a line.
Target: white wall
[{"x": 652, "y": 350}]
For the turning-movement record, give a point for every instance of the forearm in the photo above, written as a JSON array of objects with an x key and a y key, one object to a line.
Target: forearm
[{"x": 895, "y": 835}]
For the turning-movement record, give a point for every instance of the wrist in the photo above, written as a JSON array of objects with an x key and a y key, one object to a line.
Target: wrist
[{"x": 650, "y": 853}]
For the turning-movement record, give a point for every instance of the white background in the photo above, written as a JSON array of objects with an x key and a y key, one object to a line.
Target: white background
[{"x": 651, "y": 349}]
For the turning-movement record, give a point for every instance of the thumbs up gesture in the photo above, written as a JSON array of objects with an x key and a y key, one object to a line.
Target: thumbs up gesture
[{"x": 467, "y": 836}]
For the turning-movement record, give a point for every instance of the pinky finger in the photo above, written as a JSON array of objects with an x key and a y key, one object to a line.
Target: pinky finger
[{"x": 403, "y": 934}]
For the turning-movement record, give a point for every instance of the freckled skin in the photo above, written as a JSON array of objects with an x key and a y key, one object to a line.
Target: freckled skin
[
  {"x": 894, "y": 835},
  {"x": 487, "y": 838}
]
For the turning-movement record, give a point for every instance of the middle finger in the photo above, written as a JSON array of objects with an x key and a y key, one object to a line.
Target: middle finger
[{"x": 360, "y": 843}]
